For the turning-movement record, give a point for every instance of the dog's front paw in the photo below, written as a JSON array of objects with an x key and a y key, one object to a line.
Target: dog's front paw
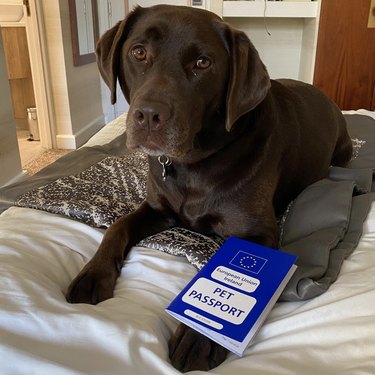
[
  {"x": 92, "y": 285},
  {"x": 189, "y": 350}
]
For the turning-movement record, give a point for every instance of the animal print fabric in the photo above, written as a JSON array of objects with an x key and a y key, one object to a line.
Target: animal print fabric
[
  {"x": 98, "y": 195},
  {"x": 104, "y": 192},
  {"x": 114, "y": 187},
  {"x": 196, "y": 247}
]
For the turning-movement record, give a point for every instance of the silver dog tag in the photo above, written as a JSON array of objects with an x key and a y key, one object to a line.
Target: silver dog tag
[{"x": 164, "y": 162}]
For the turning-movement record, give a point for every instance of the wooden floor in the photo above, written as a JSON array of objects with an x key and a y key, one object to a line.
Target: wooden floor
[
  {"x": 33, "y": 156},
  {"x": 29, "y": 150}
]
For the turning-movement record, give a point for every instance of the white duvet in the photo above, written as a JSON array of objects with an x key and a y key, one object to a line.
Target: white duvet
[{"x": 40, "y": 333}]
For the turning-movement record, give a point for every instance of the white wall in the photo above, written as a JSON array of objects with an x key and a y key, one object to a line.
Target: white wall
[{"x": 75, "y": 89}]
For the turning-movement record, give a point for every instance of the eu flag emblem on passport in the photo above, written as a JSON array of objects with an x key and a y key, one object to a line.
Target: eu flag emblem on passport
[{"x": 248, "y": 262}]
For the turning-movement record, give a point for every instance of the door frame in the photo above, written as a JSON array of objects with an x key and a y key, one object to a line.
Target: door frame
[{"x": 37, "y": 43}]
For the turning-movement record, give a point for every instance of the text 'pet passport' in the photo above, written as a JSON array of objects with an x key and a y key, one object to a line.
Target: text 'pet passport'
[{"x": 231, "y": 296}]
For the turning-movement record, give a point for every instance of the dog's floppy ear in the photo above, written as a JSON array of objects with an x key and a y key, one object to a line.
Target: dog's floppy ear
[
  {"x": 249, "y": 81},
  {"x": 108, "y": 51}
]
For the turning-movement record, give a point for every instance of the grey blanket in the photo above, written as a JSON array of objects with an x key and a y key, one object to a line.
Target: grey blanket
[{"x": 322, "y": 226}]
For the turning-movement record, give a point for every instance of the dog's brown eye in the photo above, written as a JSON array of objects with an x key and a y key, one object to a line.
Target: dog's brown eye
[
  {"x": 203, "y": 62},
  {"x": 139, "y": 53}
]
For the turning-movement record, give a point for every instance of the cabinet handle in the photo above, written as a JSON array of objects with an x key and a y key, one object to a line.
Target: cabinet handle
[{"x": 27, "y": 5}]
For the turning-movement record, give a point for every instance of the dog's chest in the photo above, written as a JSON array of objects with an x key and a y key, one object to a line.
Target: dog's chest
[
  {"x": 196, "y": 205},
  {"x": 202, "y": 204},
  {"x": 192, "y": 204}
]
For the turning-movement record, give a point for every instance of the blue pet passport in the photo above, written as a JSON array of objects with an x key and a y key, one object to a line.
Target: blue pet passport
[{"x": 229, "y": 299}]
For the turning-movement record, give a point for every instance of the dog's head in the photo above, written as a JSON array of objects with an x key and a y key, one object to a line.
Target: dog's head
[{"x": 183, "y": 71}]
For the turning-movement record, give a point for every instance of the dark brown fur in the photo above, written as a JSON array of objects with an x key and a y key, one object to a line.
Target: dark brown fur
[{"x": 242, "y": 146}]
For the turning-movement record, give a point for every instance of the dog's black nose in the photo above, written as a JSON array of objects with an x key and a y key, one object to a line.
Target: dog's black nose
[{"x": 151, "y": 116}]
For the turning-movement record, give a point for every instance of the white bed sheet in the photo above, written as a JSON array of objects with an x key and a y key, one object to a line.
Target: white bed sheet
[
  {"x": 40, "y": 333},
  {"x": 108, "y": 132},
  {"x": 364, "y": 112}
]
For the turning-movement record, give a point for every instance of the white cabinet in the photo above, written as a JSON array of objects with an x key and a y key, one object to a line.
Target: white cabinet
[
  {"x": 204, "y": 4},
  {"x": 149, "y": 3},
  {"x": 279, "y": 9},
  {"x": 284, "y": 32}
]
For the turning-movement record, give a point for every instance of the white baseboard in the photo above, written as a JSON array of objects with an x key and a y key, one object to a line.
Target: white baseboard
[
  {"x": 67, "y": 142},
  {"x": 73, "y": 141}
]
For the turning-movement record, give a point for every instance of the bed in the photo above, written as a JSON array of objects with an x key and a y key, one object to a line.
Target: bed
[{"x": 42, "y": 249}]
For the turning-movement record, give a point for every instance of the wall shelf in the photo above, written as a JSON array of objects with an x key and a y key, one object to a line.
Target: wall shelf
[{"x": 275, "y": 9}]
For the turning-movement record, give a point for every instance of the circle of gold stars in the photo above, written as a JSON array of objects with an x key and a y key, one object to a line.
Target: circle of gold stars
[{"x": 245, "y": 264}]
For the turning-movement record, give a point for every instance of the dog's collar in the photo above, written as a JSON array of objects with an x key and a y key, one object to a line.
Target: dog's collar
[{"x": 164, "y": 162}]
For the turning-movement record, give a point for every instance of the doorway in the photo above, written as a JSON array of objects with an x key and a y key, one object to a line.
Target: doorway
[
  {"x": 29, "y": 18},
  {"x": 20, "y": 80}
]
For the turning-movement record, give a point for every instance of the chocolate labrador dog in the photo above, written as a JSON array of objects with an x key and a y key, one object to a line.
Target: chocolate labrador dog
[{"x": 228, "y": 147}]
